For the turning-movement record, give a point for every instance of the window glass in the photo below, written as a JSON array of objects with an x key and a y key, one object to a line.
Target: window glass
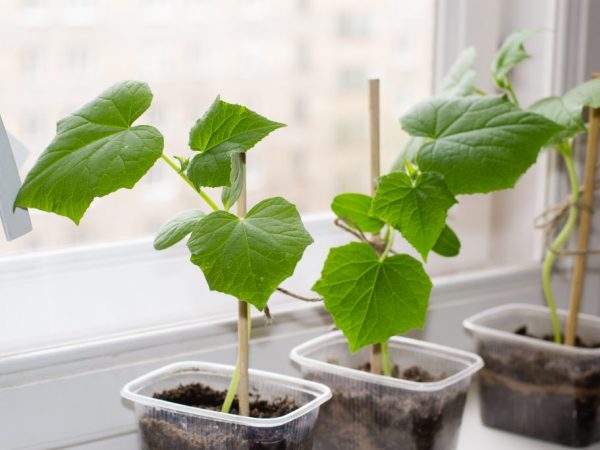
[{"x": 304, "y": 63}]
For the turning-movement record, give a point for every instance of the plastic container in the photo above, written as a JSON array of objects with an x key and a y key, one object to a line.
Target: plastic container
[
  {"x": 535, "y": 387},
  {"x": 369, "y": 411},
  {"x": 169, "y": 426}
]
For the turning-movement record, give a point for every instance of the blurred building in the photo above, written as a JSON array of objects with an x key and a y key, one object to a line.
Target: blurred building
[{"x": 301, "y": 62}]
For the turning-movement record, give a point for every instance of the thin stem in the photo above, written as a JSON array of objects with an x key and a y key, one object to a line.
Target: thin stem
[
  {"x": 385, "y": 356},
  {"x": 298, "y": 296},
  {"x": 389, "y": 239},
  {"x": 560, "y": 240},
  {"x": 235, "y": 379},
  {"x": 202, "y": 194},
  {"x": 511, "y": 92}
]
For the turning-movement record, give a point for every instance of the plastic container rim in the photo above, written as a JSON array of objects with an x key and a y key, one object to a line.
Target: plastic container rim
[
  {"x": 472, "y": 363},
  {"x": 320, "y": 392},
  {"x": 472, "y": 325}
]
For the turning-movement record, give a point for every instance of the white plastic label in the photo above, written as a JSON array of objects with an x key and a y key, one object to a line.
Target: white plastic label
[{"x": 15, "y": 222}]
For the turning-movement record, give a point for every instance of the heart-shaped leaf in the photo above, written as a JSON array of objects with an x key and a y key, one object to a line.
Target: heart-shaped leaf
[
  {"x": 96, "y": 151},
  {"x": 248, "y": 258},
  {"x": 563, "y": 113},
  {"x": 417, "y": 208},
  {"x": 354, "y": 210},
  {"x": 177, "y": 228},
  {"x": 478, "y": 144},
  {"x": 371, "y": 300},
  {"x": 225, "y": 128}
]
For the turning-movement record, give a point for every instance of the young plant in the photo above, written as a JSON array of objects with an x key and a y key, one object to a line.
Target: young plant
[
  {"x": 98, "y": 150},
  {"x": 462, "y": 141}
]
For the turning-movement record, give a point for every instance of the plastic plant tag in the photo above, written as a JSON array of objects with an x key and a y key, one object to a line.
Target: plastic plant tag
[{"x": 15, "y": 221}]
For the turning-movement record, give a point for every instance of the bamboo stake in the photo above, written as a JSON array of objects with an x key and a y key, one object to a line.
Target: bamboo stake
[
  {"x": 585, "y": 220},
  {"x": 243, "y": 351},
  {"x": 374, "y": 128}
]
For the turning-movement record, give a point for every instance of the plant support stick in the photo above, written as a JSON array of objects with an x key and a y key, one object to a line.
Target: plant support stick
[
  {"x": 374, "y": 127},
  {"x": 584, "y": 226},
  {"x": 243, "y": 316}
]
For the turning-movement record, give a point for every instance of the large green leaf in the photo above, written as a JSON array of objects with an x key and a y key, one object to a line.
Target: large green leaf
[
  {"x": 448, "y": 243},
  {"x": 586, "y": 94},
  {"x": 177, "y": 228},
  {"x": 371, "y": 300},
  {"x": 225, "y": 128},
  {"x": 511, "y": 53},
  {"x": 563, "y": 113},
  {"x": 460, "y": 79},
  {"x": 354, "y": 209},
  {"x": 96, "y": 151},
  {"x": 249, "y": 257},
  {"x": 479, "y": 144},
  {"x": 417, "y": 208}
]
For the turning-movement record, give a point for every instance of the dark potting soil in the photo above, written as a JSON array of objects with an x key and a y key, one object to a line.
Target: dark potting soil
[
  {"x": 522, "y": 331},
  {"x": 383, "y": 418},
  {"x": 164, "y": 430},
  {"x": 541, "y": 394},
  {"x": 413, "y": 373}
]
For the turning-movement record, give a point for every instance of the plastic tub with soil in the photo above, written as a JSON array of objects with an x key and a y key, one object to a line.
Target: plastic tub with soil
[
  {"x": 420, "y": 408},
  {"x": 178, "y": 408},
  {"x": 532, "y": 386}
]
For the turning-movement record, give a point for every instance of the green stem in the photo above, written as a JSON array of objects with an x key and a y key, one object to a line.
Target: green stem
[
  {"x": 560, "y": 240},
  {"x": 235, "y": 379},
  {"x": 202, "y": 194},
  {"x": 389, "y": 239},
  {"x": 385, "y": 358},
  {"x": 511, "y": 92}
]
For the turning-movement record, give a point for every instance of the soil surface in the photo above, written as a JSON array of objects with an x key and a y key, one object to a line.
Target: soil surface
[
  {"x": 165, "y": 430},
  {"x": 413, "y": 373},
  {"x": 522, "y": 331},
  {"x": 364, "y": 416},
  {"x": 540, "y": 393},
  {"x": 200, "y": 396}
]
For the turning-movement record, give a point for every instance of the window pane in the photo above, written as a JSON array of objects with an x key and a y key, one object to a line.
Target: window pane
[{"x": 304, "y": 63}]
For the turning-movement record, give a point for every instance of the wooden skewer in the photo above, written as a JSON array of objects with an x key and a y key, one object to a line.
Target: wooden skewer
[
  {"x": 244, "y": 386},
  {"x": 374, "y": 128},
  {"x": 585, "y": 220}
]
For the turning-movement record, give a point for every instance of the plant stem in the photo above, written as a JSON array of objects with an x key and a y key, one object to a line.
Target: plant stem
[
  {"x": 560, "y": 240},
  {"x": 202, "y": 194},
  {"x": 235, "y": 379},
  {"x": 385, "y": 356},
  {"x": 389, "y": 241},
  {"x": 511, "y": 92}
]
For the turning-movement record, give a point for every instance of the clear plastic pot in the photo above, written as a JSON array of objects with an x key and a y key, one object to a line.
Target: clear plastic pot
[
  {"x": 535, "y": 387},
  {"x": 169, "y": 426},
  {"x": 374, "y": 412}
]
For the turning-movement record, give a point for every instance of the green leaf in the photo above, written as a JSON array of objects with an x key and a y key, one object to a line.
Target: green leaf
[
  {"x": 211, "y": 168},
  {"x": 460, "y": 80},
  {"x": 418, "y": 209},
  {"x": 478, "y": 144},
  {"x": 354, "y": 209},
  {"x": 586, "y": 94},
  {"x": 229, "y": 195},
  {"x": 511, "y": 53},
  {"x": 448, "y": 243},
  {"x": 177, "y": 228},
  {"x": 249, "y": 257},
  {"x": 371, "y": 300},
  {"x": 563, "y": 113},
  {"x": 225, "y": 128},
  {"x": 96, "y": 151}
]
